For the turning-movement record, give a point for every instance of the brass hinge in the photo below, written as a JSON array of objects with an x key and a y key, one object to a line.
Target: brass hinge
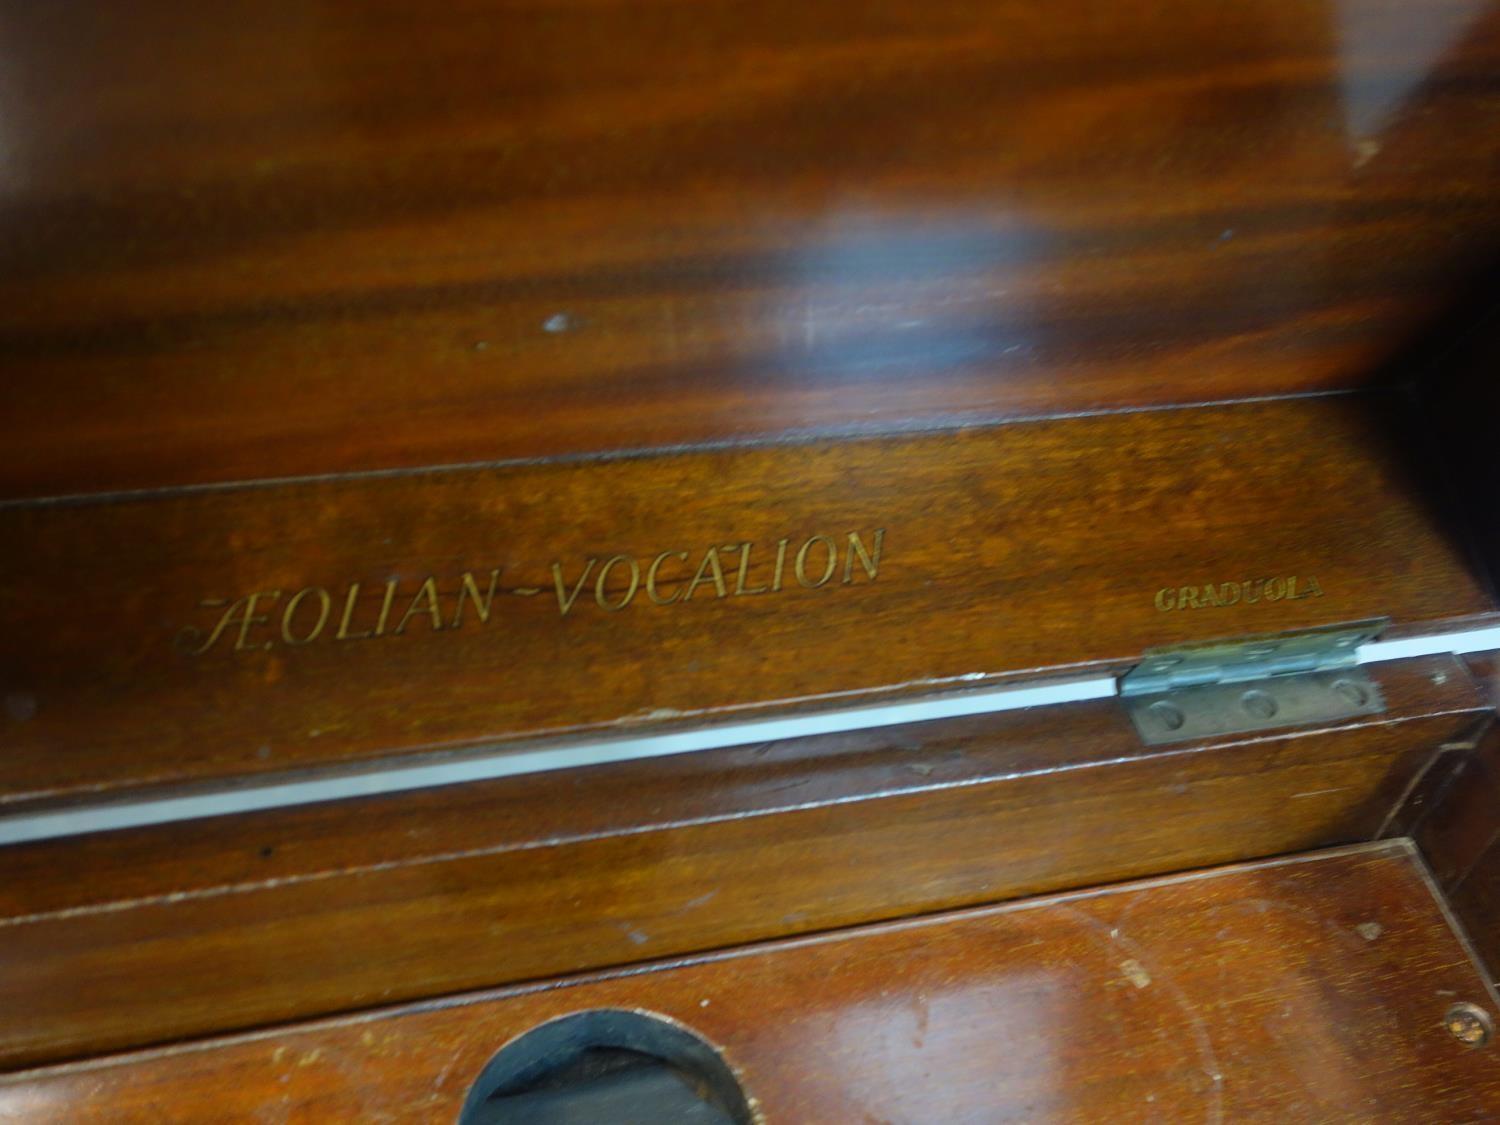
[{"x": 1252, "y": 684}]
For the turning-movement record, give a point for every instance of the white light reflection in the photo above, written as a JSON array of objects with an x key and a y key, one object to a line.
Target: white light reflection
[
  {"x": 911, "y": 294},
  {"x": 1387, "y": 51}
]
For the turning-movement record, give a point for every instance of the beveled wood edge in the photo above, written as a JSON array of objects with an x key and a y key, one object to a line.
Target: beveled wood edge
[
  {"x": 1395, "y": 848},
  {"x": 24, "y": 821},
  {"x": 1416, "y": 689},
  {"x": 790, "y": 438}
]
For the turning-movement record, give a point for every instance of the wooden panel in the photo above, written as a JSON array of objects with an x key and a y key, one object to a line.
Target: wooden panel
[
  {"x": 1309, "y": 989},
  {"x": 1476, "y": 902},
  {"x": 298, "y": 236},
  {"x": 1000, "y": 551},
  {"x": 1461, "y": 819},
  {"x": 1455, "y": 821},
  {"x": 127, "y": 938}
]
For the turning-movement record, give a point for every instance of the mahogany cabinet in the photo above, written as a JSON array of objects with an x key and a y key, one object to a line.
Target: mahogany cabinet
[{"x": 574, "y": 560}]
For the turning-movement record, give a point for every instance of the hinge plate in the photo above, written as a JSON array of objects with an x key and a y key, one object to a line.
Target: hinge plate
[
  {"x": 1249, "y": 658},
  {"x": 1252, "y": 684},
  {"x": 1242, "y": 708}
]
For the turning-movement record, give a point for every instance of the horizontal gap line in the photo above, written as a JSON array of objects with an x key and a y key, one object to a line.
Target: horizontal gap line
[
  {"x": 768, "y": 439},
  {"x": 104, "y": 817}
]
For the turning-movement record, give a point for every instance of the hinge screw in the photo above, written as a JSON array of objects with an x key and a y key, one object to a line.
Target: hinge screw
[
  {"x": 1357, "y": 694},
  {"x": 1469, "y": 1024},
  {"x": 1260, "y": 704},
  {"x": 1168, "y": 715}
]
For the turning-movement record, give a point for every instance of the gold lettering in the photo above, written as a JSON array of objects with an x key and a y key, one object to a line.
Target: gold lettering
[
  {"x": 429, "y": 592},
  {"x": 635, "y": 581},
  {"x": 343, "y": 634},
  {"x": 470, "y": 590},
  {"x": 710, "y": 561},
  {"x": 385, "y": 606},
  {"x": 245, "y": 607},
  {"x": 325, "y": 603},
  {"x": 1249, "y": 592},
  {"x": 651, "y": 573},
  {"x": 251, "y": 618},
  {"x": 564, "y": 599},
  {"x": 186, "y": 640},
  {"x": 739, "y": 586},
  {"x": 801, "y": 565},
  {"x": 870, "y": 562},
  {"x": 312, "y": 613}
]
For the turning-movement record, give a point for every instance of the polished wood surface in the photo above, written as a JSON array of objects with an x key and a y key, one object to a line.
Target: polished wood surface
[
  {"x": 1062, "y": 332},
  {"x": 126, "y": 938},
  {"x": 1310, "y": 989},
  {"x": 286, "y": 237},
  {"x": 1002, "y": 551}
]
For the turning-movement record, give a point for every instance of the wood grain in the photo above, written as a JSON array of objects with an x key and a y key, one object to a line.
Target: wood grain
[
  {"x": 1005, "y": 550},
  {"x": 290, "y": 237},
  {"x": 1309, "y": 989},
  {"x": 127, "y": 938}
]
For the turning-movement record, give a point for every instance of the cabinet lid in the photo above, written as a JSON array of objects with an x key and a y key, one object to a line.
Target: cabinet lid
[{"x": 202, "y": 635}]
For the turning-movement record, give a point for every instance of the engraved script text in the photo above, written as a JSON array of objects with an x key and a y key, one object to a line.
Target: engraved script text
[{"x": 266, "y": 619}]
